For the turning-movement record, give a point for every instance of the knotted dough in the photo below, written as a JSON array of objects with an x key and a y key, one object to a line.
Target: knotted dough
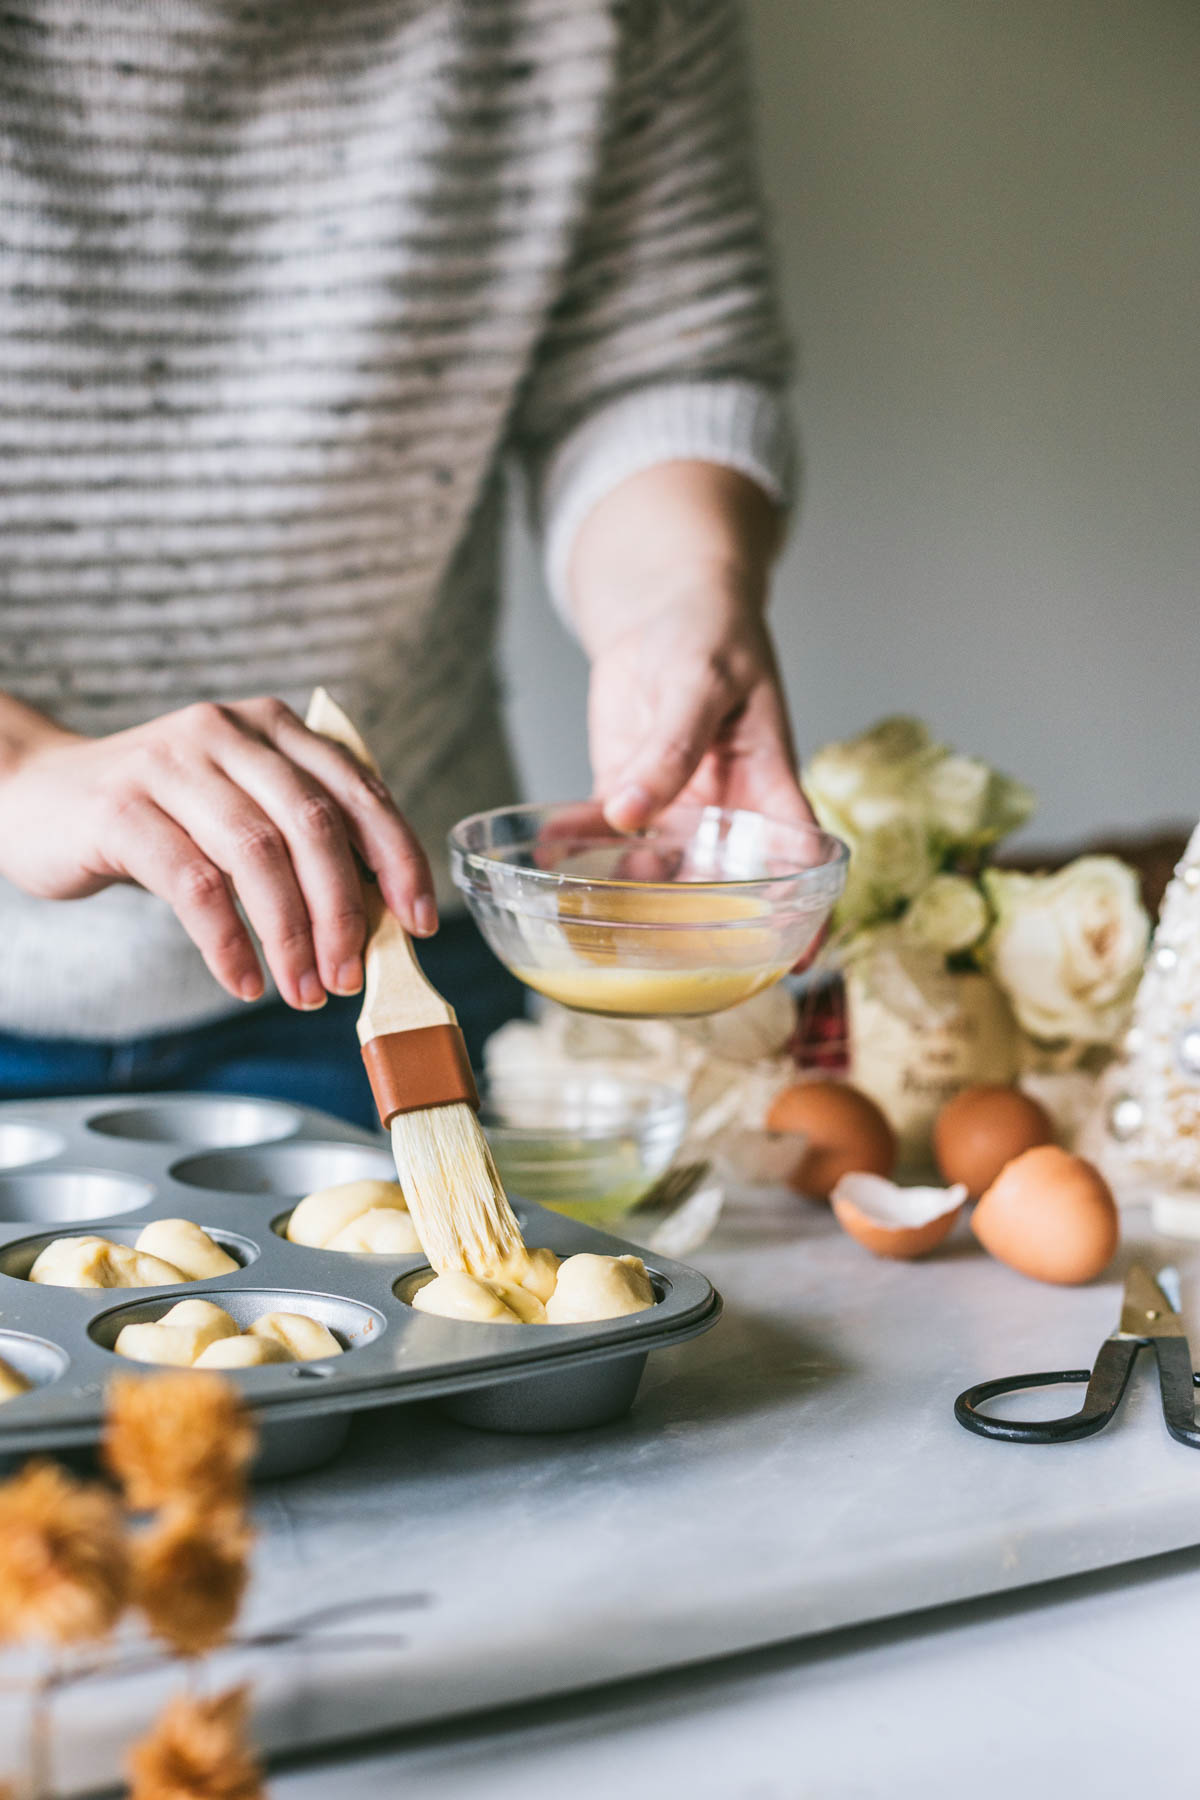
[{"x": 368, "y": 1218}]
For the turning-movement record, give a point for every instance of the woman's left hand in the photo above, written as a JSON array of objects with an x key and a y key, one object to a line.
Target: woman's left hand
[
  {"x": 687, "y": 706},
  {"x": 668, "y": 580}
]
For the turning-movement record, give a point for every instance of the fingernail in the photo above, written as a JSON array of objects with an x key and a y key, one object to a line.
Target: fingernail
[
  {"x": 425, "y": 915},
  {"x": 630, "y": 801},
  {"x": 250, "y": 987},
  {"x": 312, "y": 994},
  {"x": 349, "y": 976}
]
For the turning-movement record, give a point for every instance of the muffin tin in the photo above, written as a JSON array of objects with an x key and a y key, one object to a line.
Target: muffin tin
[{"x": 237, "y": 1166}]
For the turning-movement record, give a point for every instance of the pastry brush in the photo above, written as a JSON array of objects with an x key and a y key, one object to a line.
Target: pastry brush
[{"x": 421, "y": 1079}]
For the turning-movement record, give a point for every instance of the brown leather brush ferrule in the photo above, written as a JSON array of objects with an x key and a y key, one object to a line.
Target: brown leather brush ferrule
[{"x": 410, "y": 1071}]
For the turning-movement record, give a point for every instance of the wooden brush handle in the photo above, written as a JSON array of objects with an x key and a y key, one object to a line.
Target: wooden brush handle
[{"x": 397, "y": 995}]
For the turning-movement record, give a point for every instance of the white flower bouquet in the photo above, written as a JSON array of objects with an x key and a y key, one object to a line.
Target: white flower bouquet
[{"x": 922, "y": 903}]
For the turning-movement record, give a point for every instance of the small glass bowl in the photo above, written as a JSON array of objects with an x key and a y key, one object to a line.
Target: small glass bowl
[
  {"x": 586, "y": 1144},
  {"x": 699, "y": 912}
]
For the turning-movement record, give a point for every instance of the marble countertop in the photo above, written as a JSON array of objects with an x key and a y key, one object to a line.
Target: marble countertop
[
  {"x": 796, "y": 1472},
  {"x": 1082, "y": 1686}
]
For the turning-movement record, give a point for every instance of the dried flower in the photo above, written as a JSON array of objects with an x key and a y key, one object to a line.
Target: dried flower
[
  {"x": 189, "y": 1576},
  {"x": 64, "y": 1560},
  {"x": 198, "y": 1750},
  {"x": 183, "y": 1438}
]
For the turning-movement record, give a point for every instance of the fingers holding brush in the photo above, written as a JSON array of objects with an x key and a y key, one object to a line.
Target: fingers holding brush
[
  {"x": 159, "y": 855},
  {"x": 378, "y": 830},
  {"x": 213, "y": 808}
]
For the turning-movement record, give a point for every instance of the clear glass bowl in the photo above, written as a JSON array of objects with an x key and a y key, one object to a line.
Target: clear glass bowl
[
  {"x": 696, "y": 914},
  {"x": 587, "y": 1144}
]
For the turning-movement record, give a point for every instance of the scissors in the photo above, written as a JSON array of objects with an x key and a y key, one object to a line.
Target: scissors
[{"x": 1148, "y": 1320}]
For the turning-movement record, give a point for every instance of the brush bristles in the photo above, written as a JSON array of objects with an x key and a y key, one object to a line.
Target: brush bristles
[{"x": 453, "y": 1190}]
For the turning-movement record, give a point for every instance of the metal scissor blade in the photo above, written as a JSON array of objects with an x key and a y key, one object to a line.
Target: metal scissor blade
[
  {"x": 1146, "y": 1312},
  {"x": 1168, "y": 1281}
]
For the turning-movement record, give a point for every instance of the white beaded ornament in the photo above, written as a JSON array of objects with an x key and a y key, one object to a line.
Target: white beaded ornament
[{"x": 1157, "y": 1117}]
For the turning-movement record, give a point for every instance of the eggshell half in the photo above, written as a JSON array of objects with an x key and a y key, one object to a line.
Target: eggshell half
[
  {"x": 1050, "y": 1216},
  {"x": 895, "y": 1221},
  {"x": 845, "y": 1131},
  {"x": 983, "y": 1128}
]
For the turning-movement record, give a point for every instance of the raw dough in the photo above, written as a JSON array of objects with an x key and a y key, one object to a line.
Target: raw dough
[
  {"x": 12, "y": 1382},
  {"x": 186, "y": 1334},
  {"x": 599, "y": 1287},
  {"x": 183, "y": 1243},
  {"x": 167, "y": 1253},
  {"x": 458, "y": 1296},
  {"x": 179, "y": 1337},
  {"x": 304, "y": 1338},
  {"x": 380, "y": 1231},
  {"x": 94, "y": 1262},
  {"x": 364, "y": 1217},
  {"x": 241, "y": 1353},
  {"x": 534, "y": 1270},
  {"x": 581, "y": 1289}
]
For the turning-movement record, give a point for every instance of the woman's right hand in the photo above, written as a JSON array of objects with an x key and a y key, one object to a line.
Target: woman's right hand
[{"x": 212, "y": 803}]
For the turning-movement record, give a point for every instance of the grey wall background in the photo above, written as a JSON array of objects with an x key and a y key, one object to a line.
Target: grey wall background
[{"x": 988, "y": 220}]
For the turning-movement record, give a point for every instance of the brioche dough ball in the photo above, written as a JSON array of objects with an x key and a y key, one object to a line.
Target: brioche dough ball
[
  {"x": 599, "y": 1287},
  {"x": 580, "y": 1289},
  {"x": 380, "y": 1231},
  {"x": 183, "y": 1243},
  {"x": 243, "y": 1352},
  {"x": 179, "y": 1337},
  {"x": 200, "y": 1315},
  {"x": 12, "y": 1382},
  {"x": 527, "y": 1307},
  {"x": 305, "y": 1339},
  {"x": 536, "y": 1271},
  {"x": 458, "y": 1296},
  {"x": 322, "y": 1217},
  {"x": 94, "y": 1262}
]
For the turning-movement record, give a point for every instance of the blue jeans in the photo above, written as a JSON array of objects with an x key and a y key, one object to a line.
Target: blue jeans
[{"x": 309, "y": 1058}]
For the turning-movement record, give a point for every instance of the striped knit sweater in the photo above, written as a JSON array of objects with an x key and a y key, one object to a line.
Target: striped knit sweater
[{"x": 285, "y": 287}]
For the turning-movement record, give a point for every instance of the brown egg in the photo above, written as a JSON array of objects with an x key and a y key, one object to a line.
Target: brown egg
[
  {"x": 893, "y": 1221},
  {"x": 845, "y": 1131},
  {"x": 1049, "y": 1215},
  {"x": 982, "y": 1129}
]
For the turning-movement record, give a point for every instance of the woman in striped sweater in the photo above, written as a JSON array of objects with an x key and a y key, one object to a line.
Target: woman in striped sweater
[{"x": 285, "y": 290}]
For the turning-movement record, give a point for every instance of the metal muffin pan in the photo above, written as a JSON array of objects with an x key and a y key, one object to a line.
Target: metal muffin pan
[{"x": 106, "y": 1168}]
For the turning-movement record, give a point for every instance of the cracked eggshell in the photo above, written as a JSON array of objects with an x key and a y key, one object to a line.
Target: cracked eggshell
[
  {"x": 1051, "y": 1216},
  {"x": 895, "y": 1221}
]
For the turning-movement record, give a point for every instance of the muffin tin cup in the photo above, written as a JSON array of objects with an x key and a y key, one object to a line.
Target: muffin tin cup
[
  {"x": 17, "y": 1258},
  {"x": 187, "y": 1156},
  {"x": 69, "y": 1196}
]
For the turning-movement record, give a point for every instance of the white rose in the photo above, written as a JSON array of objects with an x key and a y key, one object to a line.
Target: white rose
[
  {"x": 882, "y": 760},
  {"x": 1068, "y": 948},
  {"x": 892, "y": 741},
  {"x": 949, "y": 916},
  {"x": 956, "y": 794},
  {"x": 890, "y": 861},
  {"x": 970, "y": 805}
]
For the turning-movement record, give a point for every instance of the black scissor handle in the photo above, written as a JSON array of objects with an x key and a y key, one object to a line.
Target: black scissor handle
[
  {"x": 1178, "y": 1383},
  {"x": 1105, "y": 1385}
]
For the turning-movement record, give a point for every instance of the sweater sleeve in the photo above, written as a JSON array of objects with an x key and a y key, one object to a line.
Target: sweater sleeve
[{"x": 666, "y": 341}]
